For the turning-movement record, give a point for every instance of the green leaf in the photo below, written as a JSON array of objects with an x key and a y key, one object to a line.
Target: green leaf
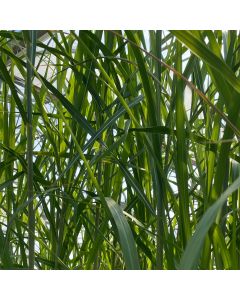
[
  {"x": 137, "y": 187},
  {"x": 8, "y": 80},
  {"x": 125, "y": 235},
  {"x": 190, "y": 257},
  {"x": 199, "y": 49}
]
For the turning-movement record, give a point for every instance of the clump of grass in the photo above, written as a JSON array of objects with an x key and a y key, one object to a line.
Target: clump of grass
[{"x": 119, "y": 150}]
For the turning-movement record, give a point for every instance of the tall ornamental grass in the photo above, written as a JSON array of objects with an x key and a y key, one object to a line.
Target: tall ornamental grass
[{"x": 119, "y": 149}]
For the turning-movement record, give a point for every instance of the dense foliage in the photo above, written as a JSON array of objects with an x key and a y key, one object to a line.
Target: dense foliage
[{"x": 119, "y": 149}]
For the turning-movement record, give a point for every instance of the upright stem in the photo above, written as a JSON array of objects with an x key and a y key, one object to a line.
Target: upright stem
[
  {"x": 181, "y": 158},
  {"x": 31, "y": 214},
  {"x": 159, "y": 189}
]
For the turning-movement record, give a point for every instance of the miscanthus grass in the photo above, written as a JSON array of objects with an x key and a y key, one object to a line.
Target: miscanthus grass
[{"x": 119, "y": 149}]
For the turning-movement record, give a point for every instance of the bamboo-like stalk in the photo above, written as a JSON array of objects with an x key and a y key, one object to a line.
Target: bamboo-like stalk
[
  {"x": 30, "y": 142},
  {"x": 161, "y": 194}
]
